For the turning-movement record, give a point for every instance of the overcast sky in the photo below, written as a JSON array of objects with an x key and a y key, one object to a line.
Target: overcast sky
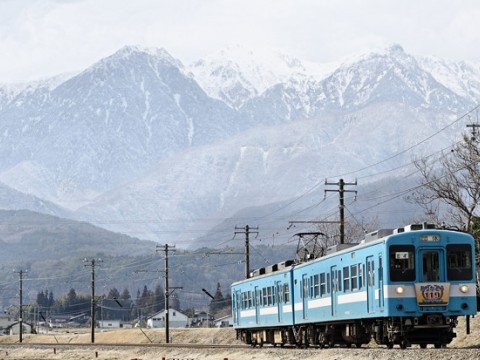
[{"x": 40, "y": 38}]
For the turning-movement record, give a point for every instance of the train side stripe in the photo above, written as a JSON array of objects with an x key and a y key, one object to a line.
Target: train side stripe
[{"x": 352, "y": 297}]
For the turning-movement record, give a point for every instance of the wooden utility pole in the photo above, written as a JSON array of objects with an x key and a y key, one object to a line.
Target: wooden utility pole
[
  {"x": 341, "y": 190},
  {"x": 92, "y": 303},
  {"x": 247, "y": 231},
  {"x": 20, "y": 310},
  {"x": 166, "y": 249}
]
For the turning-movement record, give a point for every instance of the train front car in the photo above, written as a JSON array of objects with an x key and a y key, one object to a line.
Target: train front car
[{"x": 429, "y": 282}]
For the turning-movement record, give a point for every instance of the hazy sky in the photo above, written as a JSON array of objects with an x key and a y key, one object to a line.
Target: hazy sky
[{"x": 40, "y": 38}]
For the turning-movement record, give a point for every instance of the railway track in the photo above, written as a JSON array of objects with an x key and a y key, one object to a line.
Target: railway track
[{"x": 127, "y": 345}]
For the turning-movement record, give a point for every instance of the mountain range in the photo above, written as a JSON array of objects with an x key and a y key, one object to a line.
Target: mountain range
[{"x": 144, "y": 145}]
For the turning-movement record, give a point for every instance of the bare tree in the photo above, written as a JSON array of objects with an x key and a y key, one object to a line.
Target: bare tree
[{"x": 453, "y": 180}]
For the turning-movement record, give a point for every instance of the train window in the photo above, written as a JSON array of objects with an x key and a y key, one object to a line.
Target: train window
[
  {"x": 265, "y": 297},
  {"x": 322, "y": 284},
  {"x": 250, "y": 299},
  {"x": 346, "y": 279},
  {"x": 371, "y": 273},
  {"x": 258, "y": 297},
  {"x": 459, "y": 262},
  {"x": 431, "y": 266},
  {"x": 402, "y": 263},
  {"x": 360, "y": 276},
  {"x": 286, "y": 293},
  {"x": 316, "y": 286},
  {"x": 269, "y": 296},
  {"x": 339, "y": 281},
  {"x": 328, "y": 283},
  {"x": 305, "y": 288},
  {"x": 354, "y": 276}
]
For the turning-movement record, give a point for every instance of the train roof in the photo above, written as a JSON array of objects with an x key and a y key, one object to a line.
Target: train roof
[{"x": 369, "y": 239}]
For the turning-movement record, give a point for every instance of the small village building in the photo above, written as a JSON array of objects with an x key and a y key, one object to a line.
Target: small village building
[
  {"x": 176, "y": 319},
  {"x": 110, "y": 324},
  {"x": 14, "y": 329},
  {"x": 225, "y": 321},
  {"x": 5, "y": 321}
]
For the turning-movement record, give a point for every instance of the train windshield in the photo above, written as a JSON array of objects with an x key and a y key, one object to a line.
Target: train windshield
[
  {"x": 431, "y": 265},
  {"x": 459, "y": 262},
  {"x": 402, "y": 263}
]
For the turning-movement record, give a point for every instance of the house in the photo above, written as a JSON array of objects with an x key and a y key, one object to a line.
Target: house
[
  {"x": 14, "y": 329},
  {"x": 225, "y": 321},
  {"x": 5, "y": 321},
  {"x": 202, "y": 319},
  {"x": 175, "y": 318},
  {"x": 110, "y": 324}
]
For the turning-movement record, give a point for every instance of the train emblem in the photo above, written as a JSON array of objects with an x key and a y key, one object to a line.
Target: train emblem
[{"x": 432, "y": 293}]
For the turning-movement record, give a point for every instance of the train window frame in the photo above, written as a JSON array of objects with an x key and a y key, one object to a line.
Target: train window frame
[
  {"x": 269, "y": 296},
  {"x": 286, "y": 293},
  {"x": 354, "y": 277},
  {"x": 305, "y": 288},
  {"x": 360, "y": 275},
  {"x": 316, "y": 286},
  {"x": 401, "y": 260},
  {"x": 458, "y": 273},
  {"x": 323, "y": 284},
  {"x": 258, "y": 297},
  {"x": 346, "y": 279}
]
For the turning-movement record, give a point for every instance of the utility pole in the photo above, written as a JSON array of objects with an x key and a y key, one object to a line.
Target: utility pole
[
  {"x": 474, "y": 129},
  {"x": 92, "y": 307},
  {"x": 341, "y": 190},
  {"x": 166, "y": 249},
  {"x": 247, "y": 231},
  {"x": 20, "y": 310}
]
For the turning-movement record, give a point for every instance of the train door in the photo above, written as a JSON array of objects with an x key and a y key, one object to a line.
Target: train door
[
  {"x": 334, "y": 288},
  {"x": 236, "y": 304},
  {"x": 304, "y": 291},
  {"x": 279, "y": 293},
  {"x": 380, "y": 283},
  {"x": 258, "y": 294},
  {"x": 432, "y": 265},
  {"x": 371, "y": 284}
]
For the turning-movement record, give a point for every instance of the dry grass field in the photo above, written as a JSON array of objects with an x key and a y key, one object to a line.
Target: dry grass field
[{"x": 462, "y": 348}]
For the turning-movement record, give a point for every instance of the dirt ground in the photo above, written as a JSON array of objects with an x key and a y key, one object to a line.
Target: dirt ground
[{"x": 464, "y": 347}]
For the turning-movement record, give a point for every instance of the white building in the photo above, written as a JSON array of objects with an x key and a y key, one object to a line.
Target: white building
[
  {"x": 225, "y": 321},
  {"x": 110, "y": 324},
  {"x": 14, "y": 329},
  {"x": 5, "y": 321},
  {"x": 176, "y": 319}
]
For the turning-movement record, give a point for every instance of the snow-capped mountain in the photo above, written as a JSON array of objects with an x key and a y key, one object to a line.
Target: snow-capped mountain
[
  {"x": 237, "y": 74},
  {"x": 140, "y": 143},
  {"x": 109, "y": 124}
]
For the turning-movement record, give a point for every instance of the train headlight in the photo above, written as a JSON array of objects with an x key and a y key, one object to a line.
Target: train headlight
[
  {"x": 399, "y": 290},
  {"x": 464, "y": 288}
]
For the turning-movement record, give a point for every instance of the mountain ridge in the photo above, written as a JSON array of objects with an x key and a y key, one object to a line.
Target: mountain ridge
[{"x": 139, "y": 119}]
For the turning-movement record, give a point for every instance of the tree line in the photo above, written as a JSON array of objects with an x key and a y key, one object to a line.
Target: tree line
[{"x": 116, "y": 305}]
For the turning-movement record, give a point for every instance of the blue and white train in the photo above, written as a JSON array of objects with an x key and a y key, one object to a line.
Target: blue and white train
[{"x": 406, "y": 286}]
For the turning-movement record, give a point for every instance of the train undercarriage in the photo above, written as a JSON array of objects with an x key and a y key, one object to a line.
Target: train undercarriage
[{"x": 434, "y": 329}]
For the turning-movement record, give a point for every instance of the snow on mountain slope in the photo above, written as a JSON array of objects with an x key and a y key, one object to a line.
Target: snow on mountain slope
[
  {"x": 390, "y": 75},
  {"x": 261, "y": 166},
  {"x": 112, "y": 122},
  {"x": 462, "y": 77},
  {"x": 141, "y": 147},
  {"x": 237, "y": 74}
]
